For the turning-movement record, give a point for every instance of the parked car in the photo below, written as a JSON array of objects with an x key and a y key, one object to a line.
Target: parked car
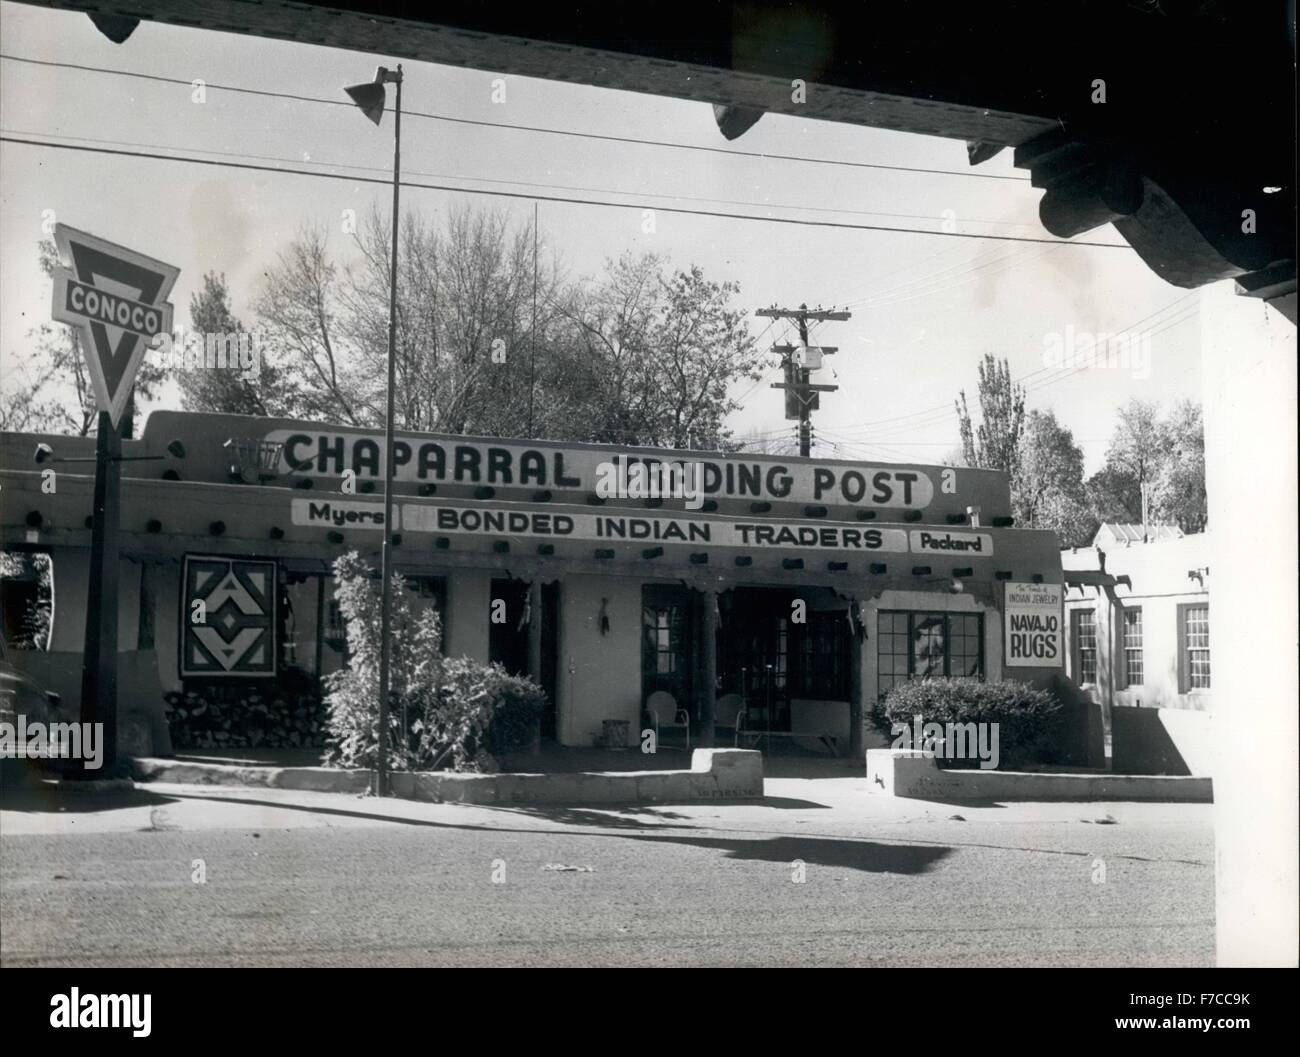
[{"x": 22, "y": 696}]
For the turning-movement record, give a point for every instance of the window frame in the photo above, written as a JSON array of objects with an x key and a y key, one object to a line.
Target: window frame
[
  {"x": 1076, "y": 645},
  {"x": 947, "y": 616},
  {"x": 1139, "y": 649},
  {"x": 1184, "y": 658}
]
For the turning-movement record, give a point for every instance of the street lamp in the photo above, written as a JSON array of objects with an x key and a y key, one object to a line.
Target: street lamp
[{"x": 370, "y": 98}]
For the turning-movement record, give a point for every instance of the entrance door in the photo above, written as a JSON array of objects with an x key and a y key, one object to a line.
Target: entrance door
[
  {"x": 507, "y": 634},
  {"x": 755, "y": 656},
  {"x": 667, "y": 634}
]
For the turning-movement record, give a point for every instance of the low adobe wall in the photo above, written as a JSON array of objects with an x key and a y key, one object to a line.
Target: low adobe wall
[
  {"x": 908, "y": 773},
  {"x": 715, "y": 774}
]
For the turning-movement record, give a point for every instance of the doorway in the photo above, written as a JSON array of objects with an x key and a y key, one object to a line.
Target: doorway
[
  {"x": 773, "y": 659},
  {"x": 667, "y": 634},
  {"x": 507, "y": 631}
]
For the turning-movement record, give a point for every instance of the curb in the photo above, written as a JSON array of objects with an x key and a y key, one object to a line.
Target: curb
[
  {"x": 909, "y": 773},
  {"x": 715, "y": 774}
]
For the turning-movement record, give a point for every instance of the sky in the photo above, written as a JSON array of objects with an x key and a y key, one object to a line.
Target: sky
[{"x": 926, "y": 304}]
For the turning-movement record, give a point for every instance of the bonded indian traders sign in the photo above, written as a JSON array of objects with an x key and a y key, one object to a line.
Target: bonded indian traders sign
[
  {"x": 519, "y": 465},
  {"x": 448, "y": 520}
]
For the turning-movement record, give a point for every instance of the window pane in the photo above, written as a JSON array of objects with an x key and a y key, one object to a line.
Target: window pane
[
  {"x": 1133, "y": 670},
  {"x": 1197, "y": 635}
]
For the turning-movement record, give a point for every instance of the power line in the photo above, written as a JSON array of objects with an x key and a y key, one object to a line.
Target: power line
[
  {"x": 488, "y": 179},
  {"x": 563, "y": 200},
  {"x": 912, "y": 417},
  {"x": 517, "y": 128}
]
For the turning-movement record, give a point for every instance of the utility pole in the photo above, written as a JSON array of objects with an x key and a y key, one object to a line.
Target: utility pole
[{"x": 802, "y": 397}]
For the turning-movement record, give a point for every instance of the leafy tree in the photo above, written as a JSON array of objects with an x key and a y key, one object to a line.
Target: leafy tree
[
  {"x": 654, "y": 354},
  {"x": 1165, "y": 457},
  {"x": 1179, "y": 494},
  {"x": 1133, "y": 460},
  {"x": 995, "y": 444},
  {"x": 1048, "y": 490},
  {"x": 256, "y": 391}
]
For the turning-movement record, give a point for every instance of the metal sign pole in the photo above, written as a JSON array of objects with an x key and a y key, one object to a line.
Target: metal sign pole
[{"x": 99, "y": 659}]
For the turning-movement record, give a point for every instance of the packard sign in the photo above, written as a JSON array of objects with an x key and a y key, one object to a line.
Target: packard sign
[
  {"x": 538, "y": 467},
  {"x": 1034, "y": 633},
  {"x": 228, "y": 619}
]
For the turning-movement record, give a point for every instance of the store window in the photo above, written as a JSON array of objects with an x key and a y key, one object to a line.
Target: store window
[
  {"x": 920, "y": 645},
  {"x": 312, "y": 634},
  {"x": 1133, "y": 675},
  {"x": 27, "y": 599},
  {"x": 1193, "y": 647},
  {"x": 1084, "y": 627}
]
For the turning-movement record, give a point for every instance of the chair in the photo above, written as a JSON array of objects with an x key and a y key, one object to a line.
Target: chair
[
  {"x": 662, "y": 703},
  {"x": 729, "y": 712}
]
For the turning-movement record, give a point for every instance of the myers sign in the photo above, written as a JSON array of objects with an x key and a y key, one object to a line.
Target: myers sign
[
  {"x": 1034, "y": 626},
  {"x": 505, "y": 464}
]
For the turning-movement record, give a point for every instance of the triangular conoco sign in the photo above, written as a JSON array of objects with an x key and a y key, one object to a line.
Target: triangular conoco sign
[{"x": 117, "y": 300}]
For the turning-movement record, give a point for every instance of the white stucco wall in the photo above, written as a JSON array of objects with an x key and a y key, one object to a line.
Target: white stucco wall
[{"x": 599, "y": 675}]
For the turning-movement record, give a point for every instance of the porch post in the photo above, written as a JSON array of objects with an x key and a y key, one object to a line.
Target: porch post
[
  {"x": 856, "y": 739},
  {"x": 535, "y": 652},
  {"x": 708, "y": 664},
  {"x": 535, "y": 631}
]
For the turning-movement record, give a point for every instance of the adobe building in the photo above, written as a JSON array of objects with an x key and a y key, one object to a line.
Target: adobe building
[
  {"x": 1138, "y": 633},
  {"x": 807, "y": 586}
]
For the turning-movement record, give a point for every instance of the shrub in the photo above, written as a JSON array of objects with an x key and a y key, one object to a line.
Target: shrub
[
  {"x": 442, "y": 712},
  {"x": 1025, "y": 716},
  {"x": 520, "y": 703}
]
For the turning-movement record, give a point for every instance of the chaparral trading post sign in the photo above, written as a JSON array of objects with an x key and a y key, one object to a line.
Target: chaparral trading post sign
[
  {"x": 579, "y": 469},
  {"x": 1034, "y": 633},
  {"x": 117, "y": 301}
]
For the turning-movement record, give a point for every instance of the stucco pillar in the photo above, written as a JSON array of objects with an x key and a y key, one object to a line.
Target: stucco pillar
[
  {"x": 856, "y": 711},
  {"x": 707, "y": 667},
  {"x": 1249, "y": 377},
  {"x": 535, "y": 631}
]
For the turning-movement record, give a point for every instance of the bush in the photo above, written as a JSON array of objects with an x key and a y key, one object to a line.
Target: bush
[
  {"x": 515, "y": 719},
  {"x": 442, "y": 712},
  {"x": 1025, "y": 716}
]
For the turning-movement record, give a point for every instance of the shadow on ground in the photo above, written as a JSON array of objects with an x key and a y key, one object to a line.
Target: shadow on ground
[
  {"x": 50, "y": 800},
  {"x": 849, "y": 853}
]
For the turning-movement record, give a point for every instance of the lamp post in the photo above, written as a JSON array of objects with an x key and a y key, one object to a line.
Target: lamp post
[{"x": 370, "y": 98}]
